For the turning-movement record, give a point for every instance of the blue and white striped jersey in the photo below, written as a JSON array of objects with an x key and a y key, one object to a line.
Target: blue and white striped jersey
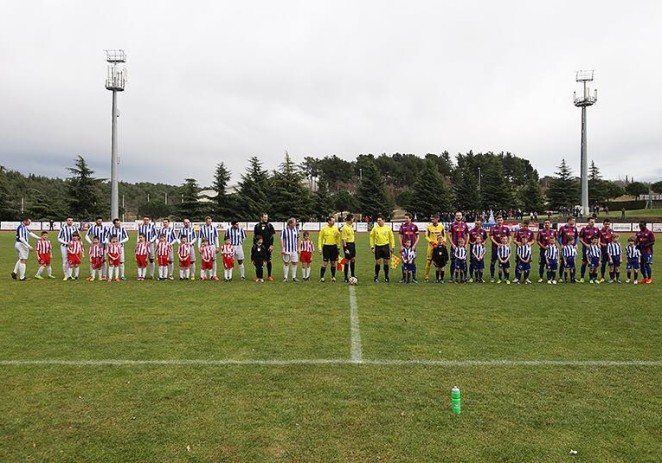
[
  {"x": 524, "y": 252},
  {"x": 633, "y": 252},
  {"x": 97, "y": 231},
  {"x": 552, "y": 253},
  {"x": 290, "y": 239},
  {"x": 408, "y": 255},
  {"x": 149, "y": 231},
  {"x": 479, "y": 251},
  {"x": 169, "y": 233},
  {"x": 460, "y": 253},
  {"x": 22, "y": 234},
  {"x": 210, "y": 232},
  {"x": 569, "y": 251},
  {"x": 119, "y": 232},
  {"x": 503, "y": 251},
  {"x": 594, "y": 250},
  {"x": 190, "y": 234},
  {"x": 65, "y": 235},
  {"x": 236, "y": 235},
  {"x": 614, "y": 249}
]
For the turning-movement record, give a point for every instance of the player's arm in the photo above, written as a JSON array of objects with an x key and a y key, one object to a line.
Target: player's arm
[
  {"x": 372, "y": 238},
  {"x": 320, "y": 239},
  {"x": 60, "y": 237},
  {"x": 418, "y": 238},
  {"x": 391, "y": 239},
  {"x": 125, "y": 238},
  {"x": 492, "y": 238}
]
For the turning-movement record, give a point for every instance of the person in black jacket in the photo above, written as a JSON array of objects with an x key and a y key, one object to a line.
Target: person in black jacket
[
  {"x": 259, "y": 254},
  {"x": 266, "y": 231}
]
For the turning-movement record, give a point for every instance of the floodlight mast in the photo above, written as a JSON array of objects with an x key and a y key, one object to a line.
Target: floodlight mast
[
  {"x": 583, "y": 102},
  {"x": 115, "y": 82}
]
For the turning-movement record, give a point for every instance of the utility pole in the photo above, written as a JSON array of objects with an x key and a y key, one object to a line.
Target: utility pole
[
  {"x": 115, "y": 82},
  {"x": 583, "y": 102}
]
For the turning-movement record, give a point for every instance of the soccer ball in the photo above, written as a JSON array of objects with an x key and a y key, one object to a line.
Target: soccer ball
[{"x": 353, "y": 280}]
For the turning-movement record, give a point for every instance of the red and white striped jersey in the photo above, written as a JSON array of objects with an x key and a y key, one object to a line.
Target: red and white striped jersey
[
  {"x": 96, "y": 251},
  {"x": 43, "y": 247},
  {"x": 163, "y": 248},
  {"x": 306, "y": 246},
  {"x": 114, "y": 249},
  {"x": 227, "y": 250},
  {"x": 142, "y": 249},
  {"x": 184, "y": 251},
  {"x": 207, "y": 253},
  {"x": 75, "y": 247}
]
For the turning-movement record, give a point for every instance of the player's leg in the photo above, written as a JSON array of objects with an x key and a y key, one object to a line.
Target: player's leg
[
  {"x": 121, "y": 269},
  {"x": 269, "y": 267},
  {"x": 239, "y": 256},
  {"x": 294, "y": 263},
  {"x": 286, "y": 266},
  {"x": 493, "y": 263},
  {"x": 151, "y": 255},
  {"x": 582, "y": 272},
  {"x": 65, "y": 260},
  {"x": 325, "y": 262},
  {"x": 171, "y": 264},
  {"x": 452, "y": 266},
  {"x": 378, "y": 263}
]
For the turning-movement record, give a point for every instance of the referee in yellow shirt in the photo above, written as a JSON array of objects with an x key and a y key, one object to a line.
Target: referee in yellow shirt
[
  {"x": 382, "y": 244},
  {"x": 349, "y": 245},
  {"x": 328, "y": 242},
  {"x": 435, "y": 234}
]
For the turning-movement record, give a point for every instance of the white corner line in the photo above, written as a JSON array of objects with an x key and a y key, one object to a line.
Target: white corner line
[{"x": 357, "y": 352}]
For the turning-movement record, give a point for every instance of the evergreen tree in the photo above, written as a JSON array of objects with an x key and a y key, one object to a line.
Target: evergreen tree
[
  {"x": 223, "y": 203},
  {"x": 563, "y": 189},
  {"x": 465, "y": 188},
  {"x": 636, "y": 188},
  {"x": 7, "y": 211},
  {"x": 430, "y": 194},
  {"x": 657, "y": 187},
  {"x": 83, "y": 190},
  {"x": 190, "y": 206},
  {"x": 322, "y": 203},
  {"x": 371, "y": 194},
  {"x": 289, "y": 196},
  {"x": 597, "y": 188},
  {"x": 532, "y": 197},
  {"x": 254, "y": 191},
  {"x": 344, "y": 201},
  {"x": 495, "y": 190}
]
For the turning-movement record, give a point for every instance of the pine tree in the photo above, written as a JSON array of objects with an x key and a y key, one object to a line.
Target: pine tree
[
  {"x": 465, "y": 188},
  {"x": 563, "y": 189},
  {"x": 190, "y": 206},
  {"x": 289, "y": 196},
  {"x": 254, "y": 191},
  {"x": 371, "y": 194},
  {"x": 532, "y": 197},
  {"x": 495, "y": 190},
  {"x": 430, "y": 193},
  {"x": 7, "y": 211},
  {"x": 83, "y": 190},
  {"x": 223, "y": 202},
  {"x": 597, "y": 188},
  {"x": 322, "y": 202}
]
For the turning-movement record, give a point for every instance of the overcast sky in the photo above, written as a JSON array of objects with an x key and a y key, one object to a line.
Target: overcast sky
[{"x": 221, "y": 81}]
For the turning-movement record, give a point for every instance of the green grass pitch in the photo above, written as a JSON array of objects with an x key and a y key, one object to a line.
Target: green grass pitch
[{"x": 542, "y": 369}]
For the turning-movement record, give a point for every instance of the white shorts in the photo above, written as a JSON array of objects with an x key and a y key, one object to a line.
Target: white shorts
[
  {"x": 213, "y": 249},
  {"x": 239, "y": 252},
  {"x": 290, "y": 257},
  {"x": 151, "y": 251},
  {"x": 22, "y": 250},
  {"x": 65, "y": 255}
]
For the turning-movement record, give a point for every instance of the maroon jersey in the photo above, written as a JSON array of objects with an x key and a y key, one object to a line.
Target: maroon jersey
[
  {"x": 568, "y": 235},
  {"x": 544, "y": 236},
  {"x": 522, "y": 232},
  {"x": 588, "y": 233},
  {"x": 605, "y": 236},
  {"x": 477, "y": 232},
  {"x": 645, "y": 240},
  {"x": 458, "y": 230},
  {"x": 409, "y": 232},
  {"x": 499, "y": 232}
]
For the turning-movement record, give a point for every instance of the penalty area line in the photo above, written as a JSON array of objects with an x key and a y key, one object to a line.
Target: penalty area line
[{"x": 378, "y": 362}]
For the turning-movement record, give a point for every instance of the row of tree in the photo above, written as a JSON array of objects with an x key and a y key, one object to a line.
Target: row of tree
[{"x": 369, "y": 185}]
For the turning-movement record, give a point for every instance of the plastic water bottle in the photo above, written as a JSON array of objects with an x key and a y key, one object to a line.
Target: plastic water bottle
[{"x": 456, "y": 400}]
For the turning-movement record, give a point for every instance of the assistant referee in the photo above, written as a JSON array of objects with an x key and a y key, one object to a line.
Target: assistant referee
[
  {"x": 328, "y": 242},
  {"x": 382, "y": 243}
]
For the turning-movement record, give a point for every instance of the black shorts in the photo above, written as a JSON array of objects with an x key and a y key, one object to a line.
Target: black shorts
[
  {"x": 350, "y": 251},
  {"x": 329, "y": 253},
  {"x": 382, "y": 252}
]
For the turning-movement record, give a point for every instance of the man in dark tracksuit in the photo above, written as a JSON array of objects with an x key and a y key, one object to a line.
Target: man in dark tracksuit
[{"x": 267, "y": 232}]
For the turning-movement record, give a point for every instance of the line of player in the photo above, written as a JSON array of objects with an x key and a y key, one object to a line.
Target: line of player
[{"x": 465, "y": 248}]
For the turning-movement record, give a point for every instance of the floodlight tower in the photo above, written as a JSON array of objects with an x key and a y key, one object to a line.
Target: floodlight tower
[
  {"x": 115, "y": 81},
  {"x": 583, "y": 102}
]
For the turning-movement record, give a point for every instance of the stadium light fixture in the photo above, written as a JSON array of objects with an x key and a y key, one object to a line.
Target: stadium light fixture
[
  {"x": 115, "y": 82},
  {"x": 584, "y": 101}
]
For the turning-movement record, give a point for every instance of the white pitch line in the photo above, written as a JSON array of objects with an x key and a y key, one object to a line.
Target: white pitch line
[
  {"x": 378, "y": 362},
  {"x": 357, "y": 352}
]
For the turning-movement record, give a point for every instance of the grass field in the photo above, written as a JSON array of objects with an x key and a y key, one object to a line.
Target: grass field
[{"x": 199, "y": 371}]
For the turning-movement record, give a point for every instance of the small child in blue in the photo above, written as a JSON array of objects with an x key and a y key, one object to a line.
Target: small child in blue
[
  {"x": 569, "y": 269},
  {"x": 523, "y": 262},
  {"x": 408, "y": 265},
  {"x": 594, "y": 254},
  {"x": 460, "y": 254},
  {"x": 478, "y": 252},
  {"x": 503, "y": 254},
  {"x": 552, "y": 258},
  {"x": 634, "y": 256},
  {"x": 614, "y": 252}
]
